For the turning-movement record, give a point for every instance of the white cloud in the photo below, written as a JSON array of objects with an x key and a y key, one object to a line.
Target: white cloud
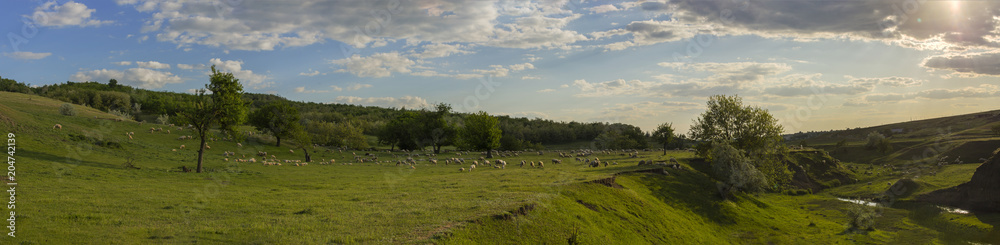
[
  {"x": 152, "y": 65},
  {"x": 564, "y": 85},
  {"x": 65, "y": 15},
  {"x": 536, "y": 31},
  {"x": 519, "y": 67},
  {"x": 548, "y": 90},
  {"x": 967, "y": 65},
  {"x": 893, "y": 81},
  {"x": 604, "y": 8},
  {"x": 732, "y": 72},
  {"x": 357, "y": 86},
  {"x": 263, "y": 25},
  {"x": 27, "y": 55},
  {"x": 624, "y": 112},
  {"x": 309, "y": 74},
  {"x": 123, "y": 63},
  {"x": 191, "y": 67},
  {"x": 529, "y": 77},
  {"x": 411, "y": 102},
  {"x": 247, "y": 77},
  {"x": 615, "y": 87},
  {"x": 437, "y": 50},
  {"x": 336, "y": 88},
  {"x": 376, "y": 65},
  {"x": 139, "y": 77},
  {"x": 303, "y": 90}
]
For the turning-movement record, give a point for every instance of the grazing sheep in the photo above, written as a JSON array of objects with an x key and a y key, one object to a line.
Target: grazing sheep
[
  {"x": 554, "y": 161},
  {"x": 541, "y": 164},
  {"x": 129, "y": 136},
  {"x": 239, "y": 145},
  {"x": 182, "y": 146},
  {"x": 57, "y": 126},
  {"x": 532, "y": 164},
  {"x": 413, "y": 167},
  {"x": 173, "y": 149},
  {"x": 461, "y": 169},
  {"x": 471, "y": 167},
  {"x": 227, "y": 159},
  {"x": 291, "y": 151}
]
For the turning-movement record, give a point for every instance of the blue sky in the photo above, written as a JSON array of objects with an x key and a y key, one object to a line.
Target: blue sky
[{"x": 816, "y": 65}]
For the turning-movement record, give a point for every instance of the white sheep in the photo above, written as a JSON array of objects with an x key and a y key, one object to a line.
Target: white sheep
[
  {"x": 57, "y": 126},
  {"x": 182, "y": 146},
  {"x": 471, "y": 167},
  {"x": 239, "y": 145},
  {"x": 291, "y": 151},
  {"x": 461, "y": 169}
]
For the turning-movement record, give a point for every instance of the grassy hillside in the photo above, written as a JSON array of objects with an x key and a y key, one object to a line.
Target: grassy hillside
[{"x": 74, "y": 188}]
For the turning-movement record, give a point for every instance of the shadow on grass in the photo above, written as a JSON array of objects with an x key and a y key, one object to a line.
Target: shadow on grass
[
  {"x": 64, "y": 159},
  {"x": 690, "y": 190},
  {"x": 950, "y": 231}
]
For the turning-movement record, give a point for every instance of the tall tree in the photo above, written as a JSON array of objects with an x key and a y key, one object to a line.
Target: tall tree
[
  {"x": 750, "y": 129},
  {"x": 205, "y": 112},
  {"x": 112, "y": 83},
  {"x": 664, "y": 134},
  {"x": 402, "y": 131},
  {"x": 227, "y": 94},
  {"x": 436, "y": 129},
  {"x": 481, "y": 132},
  {"x": 278, "y": 118},
  {"x": 200, "y": 115}
]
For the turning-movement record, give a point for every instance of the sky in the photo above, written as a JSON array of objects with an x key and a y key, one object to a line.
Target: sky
[{"x": 815, "y": 65}]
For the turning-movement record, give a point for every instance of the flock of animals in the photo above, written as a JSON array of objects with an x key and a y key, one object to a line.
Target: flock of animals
[{"x": 411, "y": 159}]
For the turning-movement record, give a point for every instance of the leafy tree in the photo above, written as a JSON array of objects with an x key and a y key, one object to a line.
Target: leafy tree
[
  {"x": 204, "y": 112},
  {"x": 621, "y": 136},
  {"x": 278, "y": 118},
  {"x": 750, "y": 129},
  {"x": 436, "y": 129},
  {"x": 227, "y": 96},
  {"x": 664, "y": 134},
  {"x": 337, "y": 134},
  {"x": 402, "y": 131},
  {"x": 201, "y": 116},
  {"x": 304, "y": 142},
  {"x": 112, "y": 83},
  {"x": 97, "y": 102},
  {"x": 481, "y": 132}
]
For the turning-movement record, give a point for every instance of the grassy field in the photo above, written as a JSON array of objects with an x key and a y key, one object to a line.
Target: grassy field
[{"x": 73, "y": 188}]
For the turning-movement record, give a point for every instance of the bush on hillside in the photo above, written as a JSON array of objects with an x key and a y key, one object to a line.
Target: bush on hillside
[
  {"x": 877, "y": 141},
  {"x": 163, "y": 119},
  {"x": 121, "y": 114},
  {"x": 861, "y": 216},
  {"x": 735, "y": 170},
  {"x": 67, "y": 109}
]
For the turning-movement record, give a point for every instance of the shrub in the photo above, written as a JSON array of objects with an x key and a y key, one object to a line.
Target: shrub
[
  {"x": 861, "y": 216},
  {"x": 121, "y": 114},
  {"x": 877, "y": 141},
  {"x": 67, "y": 109},
  {"x": 996, "y": 129},
  {"x": 735, "y": 169},
  {"x": 163, "y": 119}
]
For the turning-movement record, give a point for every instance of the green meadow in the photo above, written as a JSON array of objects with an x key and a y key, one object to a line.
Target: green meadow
[{"x": 74, "y": 186}]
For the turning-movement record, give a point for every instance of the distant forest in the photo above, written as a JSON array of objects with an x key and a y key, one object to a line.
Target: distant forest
[{"x": 517, "y": 133}]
